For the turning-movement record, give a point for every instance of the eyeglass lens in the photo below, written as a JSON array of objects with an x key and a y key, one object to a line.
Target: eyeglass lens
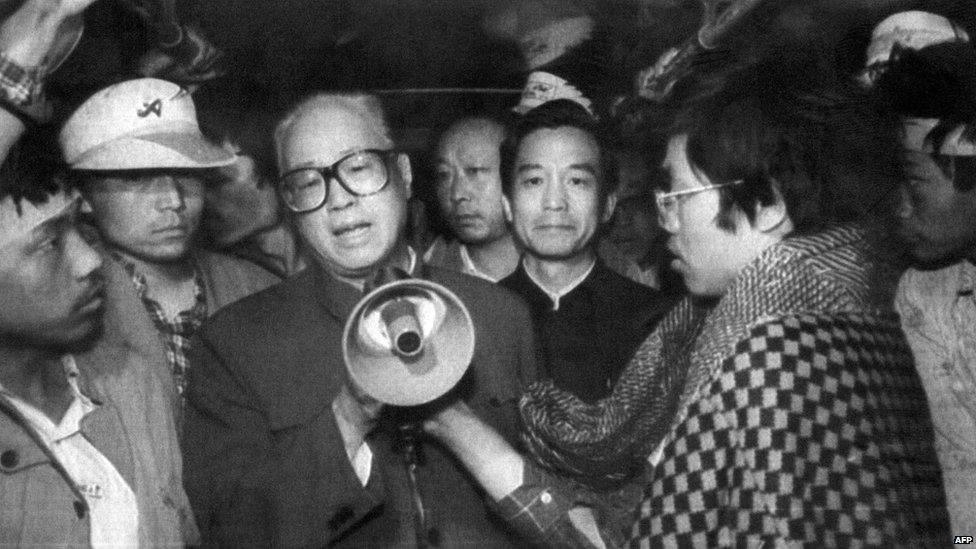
[{"x": 360, "y": 174}]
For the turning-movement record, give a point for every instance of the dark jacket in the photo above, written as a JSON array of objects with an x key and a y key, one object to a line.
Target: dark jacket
[
  {"x": 265, "y": 463},
  {"x": 586, "y": 342}
]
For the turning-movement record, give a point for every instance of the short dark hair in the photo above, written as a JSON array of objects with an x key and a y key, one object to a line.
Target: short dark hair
[
  {"x": 554, "y": 114},
  {"x": 824, "y": 147},
  {"x": 243, "y": 114},
  {"x": 937, "y": 81},
  {"x": 28, "y": 175}
]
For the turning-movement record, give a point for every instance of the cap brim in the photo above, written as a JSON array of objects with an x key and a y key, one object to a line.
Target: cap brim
[{"x": 176, "y": 150}]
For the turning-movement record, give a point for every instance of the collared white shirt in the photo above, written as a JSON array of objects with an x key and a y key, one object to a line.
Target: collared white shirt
[
  {"x": 413, "y": 259},
  {"x": 113, "y": 511},
  {"x": 556, "y": 296},
  {"x": 938, "y": 315},
  {"x": 362, "y": 463},
  {"x": 469, "y": 266}
]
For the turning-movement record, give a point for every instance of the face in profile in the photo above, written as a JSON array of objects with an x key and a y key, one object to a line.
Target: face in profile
[
  {"x": 555, "y": 204},
  {"x": 239, "y": 202},
  {"x": 50, "y": 280},
  {"x": 351, "y": 235},
  {"x": 936, "y": 220},
  {"x": 469, "y": 186},
  {"x": 708, "y": 257},
  {"x": 151, "y": 216},
  {"x": 634, "y": 229}
]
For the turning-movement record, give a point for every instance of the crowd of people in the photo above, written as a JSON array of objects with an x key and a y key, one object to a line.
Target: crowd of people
[{"x": 750, "y": 325}]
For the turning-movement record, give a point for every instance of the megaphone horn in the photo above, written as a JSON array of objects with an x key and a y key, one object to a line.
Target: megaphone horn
[{"x": 408, "y": 342}]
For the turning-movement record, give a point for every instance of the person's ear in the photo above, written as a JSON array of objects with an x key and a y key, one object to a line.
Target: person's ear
[
  {"x": 609, "y": 205},
  {"x": 507, "y": 209},
  {"x": 773, "y": 216},
  {"x": 406, "y": 173}
]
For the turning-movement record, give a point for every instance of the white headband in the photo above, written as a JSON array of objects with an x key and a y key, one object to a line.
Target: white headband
[
  {"x": 916, "y": 130},
  {"x": 542, "y": 87},
  {"x": 911, "y": 30}
]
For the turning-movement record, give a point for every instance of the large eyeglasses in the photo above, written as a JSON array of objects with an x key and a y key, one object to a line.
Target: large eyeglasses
[
  {"x": 360, "y": 173},
  {"x": 667, "y": 203}
]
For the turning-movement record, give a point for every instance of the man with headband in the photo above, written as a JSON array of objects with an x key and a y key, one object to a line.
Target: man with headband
[
  {"x": 925, "y": 70},
  {"x": 88, "y": 448}
]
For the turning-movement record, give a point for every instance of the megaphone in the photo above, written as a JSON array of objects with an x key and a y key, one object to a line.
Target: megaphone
[{"x": 408, "y": 342}]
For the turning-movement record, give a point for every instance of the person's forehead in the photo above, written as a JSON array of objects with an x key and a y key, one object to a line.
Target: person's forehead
[
  {"x": 478, "y": 137},
  {"x": 564, "y": 141},
  {"x": 323, "y": 134},
  {"x": 467, "y": 147},
  {"x": 16, "y": 225}
]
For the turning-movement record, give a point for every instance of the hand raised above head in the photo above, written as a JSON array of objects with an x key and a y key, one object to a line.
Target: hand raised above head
[
  {"x": 42, "y": 31},
  {"x": 64, "y": 8}
]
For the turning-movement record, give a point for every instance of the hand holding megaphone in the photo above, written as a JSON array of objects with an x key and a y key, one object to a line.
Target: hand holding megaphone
[{"x": 408, "y": 342}]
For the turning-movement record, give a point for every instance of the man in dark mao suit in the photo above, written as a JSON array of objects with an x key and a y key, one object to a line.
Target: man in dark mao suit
[{"x": 278, "y": 450}]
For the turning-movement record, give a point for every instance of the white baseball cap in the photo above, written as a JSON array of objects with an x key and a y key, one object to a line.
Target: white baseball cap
[{"x": 139, "y": 124}]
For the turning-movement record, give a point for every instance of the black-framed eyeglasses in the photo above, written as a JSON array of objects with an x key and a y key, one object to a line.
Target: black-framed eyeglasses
[{"x": 361, "y": 173}]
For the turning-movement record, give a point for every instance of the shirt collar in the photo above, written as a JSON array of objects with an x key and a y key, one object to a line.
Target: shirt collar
[
  {"x": 470, "y": 267},
  {"x": 70, "y": 423},
  {"x": 413, "y": 260},
  {"x": 556, "y": 296},
  {"x": 967, "y": 279},
  {"x": 142, "y": 287}
]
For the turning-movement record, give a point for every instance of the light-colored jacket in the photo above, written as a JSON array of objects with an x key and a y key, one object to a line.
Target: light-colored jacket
[
  {"x": 127, "y": 323},
  {"x": 133, "y": 427}
]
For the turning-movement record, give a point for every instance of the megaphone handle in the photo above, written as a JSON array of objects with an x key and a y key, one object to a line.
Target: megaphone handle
[
  {"x": 420, "y": 511},
  {"x": 409, "y": 445}
]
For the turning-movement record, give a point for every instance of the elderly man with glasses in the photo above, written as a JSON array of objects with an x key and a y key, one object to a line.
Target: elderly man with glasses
[
  {"x": 778, "y": 406},
  {"x": 279, "y": 452}
]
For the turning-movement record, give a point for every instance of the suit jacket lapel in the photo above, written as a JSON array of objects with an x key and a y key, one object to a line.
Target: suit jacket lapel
[
  {"x": 336, "y": 297},
  {"x": 103, "y": 427},
  {"x": 340, "y": 298},
  {"x": 18, "y": 418},
  {"x": 126, "y": 316}
]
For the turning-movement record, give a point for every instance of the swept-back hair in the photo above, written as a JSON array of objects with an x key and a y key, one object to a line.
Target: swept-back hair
[
  {"x": 554, "y": 114},
  {"x": 365, "y": 105}
]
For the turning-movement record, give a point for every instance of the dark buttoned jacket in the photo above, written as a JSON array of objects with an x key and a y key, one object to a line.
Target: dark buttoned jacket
[
  {"x": 591, "y": 334},
  {"x": 265, "y": 463}
]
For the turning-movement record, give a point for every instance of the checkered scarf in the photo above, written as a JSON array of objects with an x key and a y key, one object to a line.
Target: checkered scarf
[{"x": 798, "y": 416}]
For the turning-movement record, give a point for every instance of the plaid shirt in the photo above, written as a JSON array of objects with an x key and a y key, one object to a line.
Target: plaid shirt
[
  {"x": 176, "y": 332},
  {"x": 19, "y": 85}
]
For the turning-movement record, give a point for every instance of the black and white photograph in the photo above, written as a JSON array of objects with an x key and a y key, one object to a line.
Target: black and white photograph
[{"x": 487, "y": 274}]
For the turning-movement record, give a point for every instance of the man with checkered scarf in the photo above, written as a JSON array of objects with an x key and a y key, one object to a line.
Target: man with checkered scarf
[{"x": 778, "y": 406}]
